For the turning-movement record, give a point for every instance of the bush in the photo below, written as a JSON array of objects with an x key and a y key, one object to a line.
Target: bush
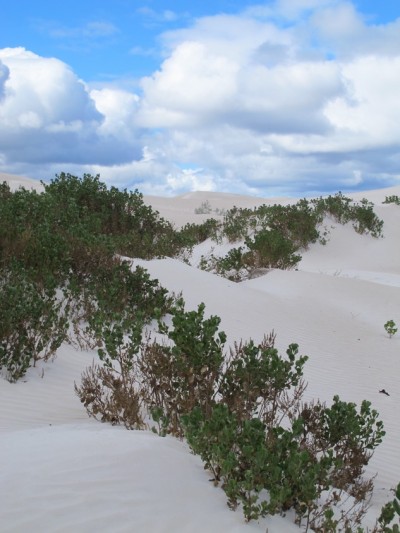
[
  {"x": 236, "y": 223},
  {"x": 245, "y": 417},
  {"x": 260, "y": 436},
  {"x": 394, "y": 199},
  {"x": 365, "y": 220},
  {"x": 182, "y": 375},
  {"x": 110, "y": 392},
  {"x": 67, "y": 238},
  {"x": 256, "y": 379},
  {"x": 270, "y": 249},
  {"x": 390, "y": 328},
  {"x": 344, "y": 210},
  {"x": 32, "y": 322},
  {"x": 192, "y": 234},
  {"x": 389, "y": 513},
  {"x": 275, "y": 234}
]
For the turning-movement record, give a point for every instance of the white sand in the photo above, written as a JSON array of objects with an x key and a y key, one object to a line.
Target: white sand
[
  {"x": 63, "y": 472},
  {"x": 16, "y": 182}
]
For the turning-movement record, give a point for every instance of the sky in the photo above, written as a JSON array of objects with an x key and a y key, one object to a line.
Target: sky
[{"x": 276, "y": 98}]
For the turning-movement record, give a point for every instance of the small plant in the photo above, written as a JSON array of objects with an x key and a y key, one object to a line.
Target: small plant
[
  {"x": 390, "y": 328},
  {"x": 389, "y": 513},
  {"x": 258, "y": 436},
  {"x": 204, "y": 209},
  {"x": 271, "y": 249},
  {"x": 110, "y": 392},
  {"x": 181, "y": 375},
  {"x": 394, "y": 199},
  {"x": 32, "y": 323}
]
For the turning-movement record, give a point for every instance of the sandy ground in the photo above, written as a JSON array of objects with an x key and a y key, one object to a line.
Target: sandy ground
[{"x": 61, "y": 471}]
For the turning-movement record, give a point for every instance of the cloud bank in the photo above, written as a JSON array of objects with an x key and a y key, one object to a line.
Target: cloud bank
[{"x": 294, "y": 98}]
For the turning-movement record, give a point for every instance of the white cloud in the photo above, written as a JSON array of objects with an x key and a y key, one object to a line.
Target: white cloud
[
  {"x": 45, "y": 86},
  {"x": 48, "y": 115},
  {"x": 4, "y": 75},
  {"x": 323, "y": 113},
  {"x": 191, "y": 83},
  {"x": 240, "y": 103},
  {"x": 371, "y": 116},
  {"x": 343, "y": 30}
]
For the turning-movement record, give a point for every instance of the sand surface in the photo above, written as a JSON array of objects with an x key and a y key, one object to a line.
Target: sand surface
[{"x": 63, "y": 472}]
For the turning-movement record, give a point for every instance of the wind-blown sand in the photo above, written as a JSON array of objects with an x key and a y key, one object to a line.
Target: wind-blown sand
[{"x": 61, "y": 471}]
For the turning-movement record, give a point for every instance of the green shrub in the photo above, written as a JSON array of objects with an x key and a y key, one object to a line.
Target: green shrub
[
  {"x": 192, "y": 234},
  {"x": 344, "y": 210},
  {"x": 389, "y": 513},
  {"x": 269, "y": 451},
  {"x": 235, "y": 453},
  {"x": 393, "y": 199},
  {"x": 256, "y": 380},
  {"x": 236, "y": 223},
  {"x": 365, "y": 220},
  {"x": 337, "y": 206},
  {"x": 182, "y": 375},
  {"x": 390, "y": 328},
  {"x": 297, "y": 223},
  {"x": 232, "y": 265},
  {"x": 32, "y": 322},
  {"x": 260, "y": 436},
  {"x": 270, "y": 249},
  {"x": 110, "y": 392},
  {"x": 67, "y": 238}
]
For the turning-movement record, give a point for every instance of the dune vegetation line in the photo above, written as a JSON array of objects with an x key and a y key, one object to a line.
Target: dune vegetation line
[{"x": 65, "y": 278}]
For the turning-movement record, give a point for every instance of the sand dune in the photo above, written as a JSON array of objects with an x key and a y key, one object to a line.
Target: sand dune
[{"x": 61, "y": 471}]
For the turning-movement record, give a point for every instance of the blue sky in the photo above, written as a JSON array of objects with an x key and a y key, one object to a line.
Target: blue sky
[{"x": 286, "y": 97}]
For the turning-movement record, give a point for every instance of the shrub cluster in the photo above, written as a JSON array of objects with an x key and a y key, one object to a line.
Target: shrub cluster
[
  {"x": 33, "y": 322},
  {"x": 60, "y": 264},
  {"x": 393, "y": 199},
  {"x": 243, "y": 414},
  {"x": 274, "y": 235}
]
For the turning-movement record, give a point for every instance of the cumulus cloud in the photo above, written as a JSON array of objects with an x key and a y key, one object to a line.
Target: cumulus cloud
[
  {"x": 293, "y": 97},
  {"x": 309, "y": 114},
  {"x": 4, "y": 74},
  {"x": 48, "y": 115}
]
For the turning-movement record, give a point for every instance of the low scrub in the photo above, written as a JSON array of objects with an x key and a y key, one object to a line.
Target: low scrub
[
  {"x": 33, "y": 322},
  {"x": 243, "y": 414},
  {"x": 274, "y": 236},
  {"x": 393, "y": 199}
]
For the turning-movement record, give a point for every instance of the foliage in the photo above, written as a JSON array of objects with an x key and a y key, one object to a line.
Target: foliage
[
  {"x": 260, "y": 436},
  {"x": 110, "y": 391},
  {"x": 232, "y": 265},
  {"x": 365, "y": 220},
  {"x": 45, "y": 231},
  {"x": 275, "y": 234},
  {"x": 344, "y": 210},
  {"x": 256, "y": 378},
  {"x": 236, "y": 223},
  {"x": 393, "y": 199},
  {"x": 192, "y": 234},
  {"x": 245, "y": 417},
  {"x": 390, "y": 328},
  {"x": 67, "y": 238},
  {"x": 204, "y": 209},
  {"x": 297, "y": 223},
  {"x": 389, "y": 513},
  {"x": 113, "y": 287},
  {"x": 32, "y": 322},
  {"x": 270, "y": 249},
  {"x": 181, "y": 375}
]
